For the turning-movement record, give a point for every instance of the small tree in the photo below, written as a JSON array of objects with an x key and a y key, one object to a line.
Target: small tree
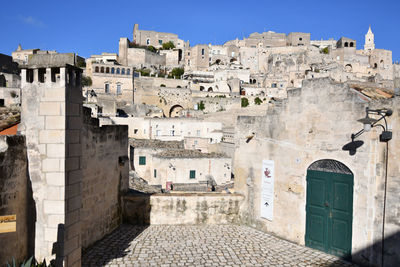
[
  {"x": 257, "y": 101},
  {"x": 168, "y": 45},
  {"x": 244, "y": 102},
  {"x": 86, "y": 81},
  {"x": 325, "y": 50},
  {"x": 151, "y": 48},
  {"x": 201, "y": 105},
  {"x": 177, "y": 72}
]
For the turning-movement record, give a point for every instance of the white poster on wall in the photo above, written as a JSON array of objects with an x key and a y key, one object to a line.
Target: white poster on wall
[{"x": 267, "y": 190}]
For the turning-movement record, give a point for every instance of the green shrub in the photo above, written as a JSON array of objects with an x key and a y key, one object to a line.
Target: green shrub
[
  {"x": 144, "y": 72},
  {"x": 168, "y": 45},
  {"x": 257, "y": 101},
  {"x": 86, "y": 81},
  {"x": 244, "y": 102},
  {"x": 177, "y": 72}
]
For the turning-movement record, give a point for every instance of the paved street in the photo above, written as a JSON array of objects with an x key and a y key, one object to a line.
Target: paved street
[{"x": 210, "y": 245}]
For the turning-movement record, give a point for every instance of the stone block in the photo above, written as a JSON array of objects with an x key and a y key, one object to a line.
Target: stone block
[
  {"x": 74, "y": 122},
  {"x": 73, "y": 230},
  {"x": 56, "y": 150},
  {"x": 52, "y": 136},
  {"x": 55, "y": 178},
  {"x": 74, "y": 203},
  {"x": 54, "y": 94},
  {"x": 50, "y": 108},
  {"x": 72, "y": 163},
  {"x": 73, "y": 190},
  {"x": 55, "y": 192},
  {"x": 73, "y": 109},
  {"x": 55, "y": 122},
  {"x": 53, "y": 206},
  {"x": 72, "y": 217},
  {"x": 55, "y": 219},
  {"x": 50, "y": 234},
  {"x": 50, "y": 165},
  {"x": 74, "y": 258},
  {"x": 74, "y": 150},
  {"x": 73, "y": 136},
  {"x": 74, "y": 177},
  {"x": 71, "y": 244}
]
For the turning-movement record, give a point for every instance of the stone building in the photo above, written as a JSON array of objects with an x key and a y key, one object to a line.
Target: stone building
[
  {"x": 302, "y": 137},
  {"x": 197, "y": 58},
  {"x": 10, "y": 82},
  {"x": 166, "y": 163}
]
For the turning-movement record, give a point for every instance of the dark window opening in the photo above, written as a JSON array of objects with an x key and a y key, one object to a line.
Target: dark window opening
[
  {"x": 192, "y": 174},
  {"x": 102, "y": 69},
  {"x": 3, "y": 82},
  {"x": 351, "y": 44},
  {"x": 55, "y": 74},
  {"x": 210, "y": 89},
  {"x": 346, "y": 44},
  {"x": 201, "y": 88},
  {"x": 42, "y": 74},
  {"x": 118, "y": 71},
  {"x": 96, "y": 69},
  {"x": 29, "y": 76},
  {"x": 123, "y": 71},
  {"x": 107, "y": 70},
  {"x": 128, "y": 72},
  {"x": 112, "y": 70},
  {"x": 1, "y": 102}
]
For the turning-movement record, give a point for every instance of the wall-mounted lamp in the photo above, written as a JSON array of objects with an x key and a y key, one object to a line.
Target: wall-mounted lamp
[{"x": 369, "y": 123}]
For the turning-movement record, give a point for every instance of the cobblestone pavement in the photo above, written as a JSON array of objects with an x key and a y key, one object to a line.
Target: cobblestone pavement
[{"x": 211, "y": 245}]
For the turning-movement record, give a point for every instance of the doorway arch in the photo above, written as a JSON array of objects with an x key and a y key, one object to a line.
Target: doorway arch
[
  {"x": 329, "y": 207},
  {"x": 175, "y": 111}
]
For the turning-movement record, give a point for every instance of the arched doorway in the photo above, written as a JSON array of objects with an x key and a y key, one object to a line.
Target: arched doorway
[
  {"x": 175, "y": 111},
  {"x": 329, "y": 207}
]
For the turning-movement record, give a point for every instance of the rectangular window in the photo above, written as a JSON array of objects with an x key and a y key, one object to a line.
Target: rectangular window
[
  {"x": 118, "y": 89},
  {"x": 160, "y": 42},
  {"x": 142, "y": 160},
  {"x": 198, "y": 132},
  {"x": 155, "y": 173},
  {"x": 106, "y": 88},
  {"x": 202, "y": 52},
  {"x": 192, "y": 174},
  {"x": 158, "y": 132}
]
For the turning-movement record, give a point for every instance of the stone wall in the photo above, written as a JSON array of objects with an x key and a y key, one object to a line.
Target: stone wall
[
  {"x": 182, "y": 208},
  {"x": 216, "y": 104},
  {"x": 313, "y": 124},
  {"x": 16, "y": 198},
  {"x": 105, "y": 177}
]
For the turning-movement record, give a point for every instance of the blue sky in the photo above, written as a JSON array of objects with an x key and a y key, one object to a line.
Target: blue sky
[{"x": 92, "y": 27}]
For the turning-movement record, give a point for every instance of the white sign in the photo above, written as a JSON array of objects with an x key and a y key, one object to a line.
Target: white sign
[{"x": 267, "y": 190}]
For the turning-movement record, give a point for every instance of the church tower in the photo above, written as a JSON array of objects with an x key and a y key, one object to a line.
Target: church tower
[{"x": 369, "y": 40}]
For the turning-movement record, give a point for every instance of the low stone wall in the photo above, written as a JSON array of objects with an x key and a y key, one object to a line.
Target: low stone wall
[
  {"x": 182, "y": 208},
  {"x": 16, "y": 198}
]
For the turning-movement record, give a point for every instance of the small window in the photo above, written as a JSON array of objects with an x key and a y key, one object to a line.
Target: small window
[
  {"x": 148, "y": 41},
  {"x": 300, "y": 39},
  {"x": 106, "y": 88},
  {"x": 142, "y": 160},
  {"x": 118, "y": 71},
  {"x": 155, "y": 173},
  {"x": 1, "y": 102},
  {"x": 135, "y": 131},
  {"x": 128, "y": 72},
  {"x": 119, "y": 91},
  {"x": 112, "y": 70},
  {"x": 202, "y": 51},
  {"x": 192, "y": 174},
  {"x": 107, "y": 70},
  {"x": 123, "y": 71},
  {"x": 198, "y": 132},
  {"x": 96, "y": 69},
  {"x": 160, "y": 42}
]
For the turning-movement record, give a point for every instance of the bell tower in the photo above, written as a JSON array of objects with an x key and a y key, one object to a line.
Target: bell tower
[{"x": 369, "y": 40}]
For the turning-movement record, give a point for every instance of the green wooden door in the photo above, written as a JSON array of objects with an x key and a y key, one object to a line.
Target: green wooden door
[{"x": 329, "y": 212}]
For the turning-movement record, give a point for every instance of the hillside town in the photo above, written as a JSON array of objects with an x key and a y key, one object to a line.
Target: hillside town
[{"x": 261, "y": 132}]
